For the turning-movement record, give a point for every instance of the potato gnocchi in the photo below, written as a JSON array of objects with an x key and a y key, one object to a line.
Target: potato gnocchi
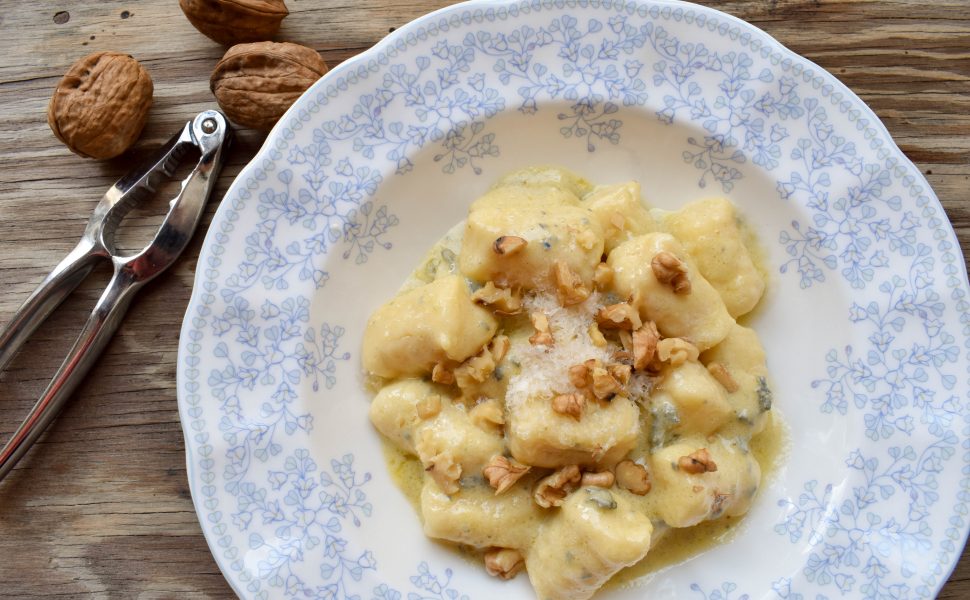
[{"x": 569, "y": 371}]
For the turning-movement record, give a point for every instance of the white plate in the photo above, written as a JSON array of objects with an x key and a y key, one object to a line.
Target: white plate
[{"x": 865, "y": 321}]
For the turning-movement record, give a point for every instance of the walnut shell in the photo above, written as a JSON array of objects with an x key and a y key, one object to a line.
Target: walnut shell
[
  {"x": 255, "y": 83},
  {"x": 100, "y": 106},
  {"x": 233, "y": 21}
]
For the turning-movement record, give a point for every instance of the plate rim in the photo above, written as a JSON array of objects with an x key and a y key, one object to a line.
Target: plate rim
[{"x": 349, "y": 66}]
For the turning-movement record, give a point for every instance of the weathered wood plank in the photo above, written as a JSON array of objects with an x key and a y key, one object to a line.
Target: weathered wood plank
[{"x": 102, "y": 508}]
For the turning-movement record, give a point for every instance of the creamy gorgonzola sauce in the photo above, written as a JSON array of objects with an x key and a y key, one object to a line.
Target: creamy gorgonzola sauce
[{"x": 565, "y": 384}]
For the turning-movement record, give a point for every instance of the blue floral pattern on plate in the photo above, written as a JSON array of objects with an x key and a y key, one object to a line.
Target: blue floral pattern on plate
[{"x": 285, "y": 497}]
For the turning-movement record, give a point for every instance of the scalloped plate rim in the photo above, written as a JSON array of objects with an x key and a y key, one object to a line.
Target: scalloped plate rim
[{"x": 352, "y": 63}]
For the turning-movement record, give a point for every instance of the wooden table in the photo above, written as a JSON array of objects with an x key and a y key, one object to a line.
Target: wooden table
[{"x": 101, "y": 506}]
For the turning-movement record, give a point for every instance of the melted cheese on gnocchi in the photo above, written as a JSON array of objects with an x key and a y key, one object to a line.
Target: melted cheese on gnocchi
[{"x": 567, "y": 368}]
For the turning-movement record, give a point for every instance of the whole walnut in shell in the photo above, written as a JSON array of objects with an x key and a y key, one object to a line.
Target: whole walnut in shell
[
  {"x": 255, "y": 83},
  {"x": 100, "y": 106},
  {"x": 233, "y": 21}
]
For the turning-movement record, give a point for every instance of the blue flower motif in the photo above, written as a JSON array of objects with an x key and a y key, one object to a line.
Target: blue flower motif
[
  {"x": 735, "y": 117},
  {"x": 446, "y": 98},
  {"x": 889, "y": 377},
  {"x": 854, "y": 542},
  {"x": 307, "y": 522},
  {"x": 330, "y": 207},
  {"x": 597, "y": 76},
  {"x": 280, "y": 350},
  {"x": 426, "y": 586},
  {"x": 723, "y": 593},
  {"x": 845, "y": 230}
]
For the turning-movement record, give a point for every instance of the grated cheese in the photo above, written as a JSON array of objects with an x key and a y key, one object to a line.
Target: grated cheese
[{"x": 545, "y": 369}]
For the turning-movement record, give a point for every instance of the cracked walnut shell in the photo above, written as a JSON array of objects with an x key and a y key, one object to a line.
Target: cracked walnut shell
[
  {"x": 101, "y": 104},
  {"x": 230, "y": 22},
  {"x": 256, "y": 83}
]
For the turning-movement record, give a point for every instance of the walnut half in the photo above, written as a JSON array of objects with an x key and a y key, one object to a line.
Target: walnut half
[
  {"x": 578, "y": 375},
  {"x": 543, "y": 335},
  {"x": 605, "y": 385},
  {"x": 475, "y": 369},
  {"x": 487, "y": 415},
  {"x": 644, "y": 342},
  {"x": 502, "y": 473},
  {"x": 570, "y": 405},
  {"x": 670, "y": 270},
  {"x": 633, "y": 477},
  {"x": 697, "y": 462},
  {"x": 618, "y": 316},
  {"x": 553, "y": 489},
  {"x": 569, "y": 285},
  {"x": 507, "y": 245},
  {"x": 504, "y": 562},
  {"x": 445, "y": 472},
  {"x": 676, "y": 351},
  {"x": 504, "y": 301}
]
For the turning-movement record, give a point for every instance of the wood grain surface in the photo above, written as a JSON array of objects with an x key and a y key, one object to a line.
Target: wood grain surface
[{"x": 101, "y": 506}]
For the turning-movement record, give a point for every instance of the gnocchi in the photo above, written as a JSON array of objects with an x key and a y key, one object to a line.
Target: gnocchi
[{"x": 567, "y": 368}]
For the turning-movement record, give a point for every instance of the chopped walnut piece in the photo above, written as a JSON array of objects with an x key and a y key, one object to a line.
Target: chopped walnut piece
[
  {"x": 553, "y": 489},
  {"x": 697, "y": 462},
  {"x": 475, "y": 369},
  {"x": 676, "y": 351},
  {"x": 503, "y": 300},
  {"x": 487, "y": 415},
  {"x": 502, "y": 473},
  {"x": 442, "y": 374},
  {"x": 620, "y": 372},
  {"x": 569, "y": 286},
  {"x": 429, "y": 406},
  {"x": 507, "y": 245},
  {"x": 445, "y": 472},
  {"x": 602, "y": 479},
  {"x": 602, "y": 275},
  {"x": 717, "y": 504},
  {"x": 504, "y": 562},
  {"x": 644, "y": 342},
  {"x": 499, "y": 347},
  {"x": 618, "y": 316},
  {"x": 626, "y": 340},
  {"x": 578, "y": 375},
  {"x": 605, "y": 386},
  {"x": 670, "y": 270},
  {"x": 596, "y": 336},
  {"x": 542, "y": 336},
  {"x": 723, "y": 376},
  {"x": 570, "y": 405},
  {"x": 633, "y": 477}
]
